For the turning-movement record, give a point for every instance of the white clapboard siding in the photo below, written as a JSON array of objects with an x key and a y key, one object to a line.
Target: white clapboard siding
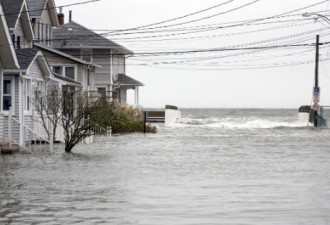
[{"x": 102, "y": 75}]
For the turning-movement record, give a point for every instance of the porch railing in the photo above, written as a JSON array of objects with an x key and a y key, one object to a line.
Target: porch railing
[
  {"x": 98, "y": 129},
  {"x": 30, "y": 138},
  {"x": 107, "y": 95}
]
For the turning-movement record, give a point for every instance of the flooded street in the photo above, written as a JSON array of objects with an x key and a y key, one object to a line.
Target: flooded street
[{"x": 200, "y": 172}]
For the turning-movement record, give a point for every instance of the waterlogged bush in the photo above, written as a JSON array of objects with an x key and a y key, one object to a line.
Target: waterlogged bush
[{"x": 121, "y": 118}]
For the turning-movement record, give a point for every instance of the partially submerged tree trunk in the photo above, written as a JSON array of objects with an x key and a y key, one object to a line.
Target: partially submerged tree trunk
[
  {"x": 75, "y": 119},
  {"x": 69, "y": 110}
]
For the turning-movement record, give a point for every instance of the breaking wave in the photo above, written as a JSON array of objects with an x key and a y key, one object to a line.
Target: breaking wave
[{"x": 239, "y": 123}]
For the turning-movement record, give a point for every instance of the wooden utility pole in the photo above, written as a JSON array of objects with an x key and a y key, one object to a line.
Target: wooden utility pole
[
  {"x": 317, "y": 61},
  {"x": 316, "y": 91}
]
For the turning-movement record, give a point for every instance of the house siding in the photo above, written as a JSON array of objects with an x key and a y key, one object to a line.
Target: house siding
[
  {"x": 20, "y": 32},
  {"x": 35, "y": 71},
  {"x": 118, "y": 62},
  {"x": 45, "y": 17},
  {"x": 15, "y": 126},
  {"x": 73, "y": 52},
  {"x": 102, "y": 57},
  {"x": 54, "y": 59}
]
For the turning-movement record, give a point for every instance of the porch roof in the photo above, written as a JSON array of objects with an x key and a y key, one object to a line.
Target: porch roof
[
  {"x": 124, "y": 80},
  {"x": 68, "y": 80}
]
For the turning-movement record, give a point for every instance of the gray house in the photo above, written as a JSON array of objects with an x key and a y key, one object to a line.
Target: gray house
[
  {"x": 79, "y": 41},
  {"x": 25, "y": 68}
]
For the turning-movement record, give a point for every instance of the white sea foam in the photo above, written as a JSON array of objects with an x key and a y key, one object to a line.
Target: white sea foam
[{"x": 239, "y": 123}]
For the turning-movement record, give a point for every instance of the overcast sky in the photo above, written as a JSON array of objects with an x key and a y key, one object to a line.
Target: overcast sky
[{"x": 217, "y": 54}]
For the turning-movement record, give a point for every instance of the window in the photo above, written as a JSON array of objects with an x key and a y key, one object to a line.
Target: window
[
  {"x": 48, "y": 34},
  {"x": 7, "y": 96},
  {"x": 40, "y": 31},
  {"x": 58, "y": 70},
  {"x": 102, "y": 91},
  {"x": 27, "y": 95},
  {"x": 40, "y": 91},
  {"x": 66, "y": 71},
  {"x": 18, "y": 42},
  {"x": 13, "y": 39},
  {"x": 70, "y": 72}
]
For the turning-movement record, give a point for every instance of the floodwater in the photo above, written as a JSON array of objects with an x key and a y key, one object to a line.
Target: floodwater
[{"x": 214, "y": 167}]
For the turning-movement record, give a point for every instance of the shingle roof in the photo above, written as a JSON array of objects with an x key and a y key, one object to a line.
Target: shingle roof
[
  {"x": 49, "y": 49},
  {"x": 25, "y": 57},
  {"x": 70, "y": 81},
  {"x": 11, "y": 9},
  {"x": 74, "y": 35},
  {"x": 124, "y": 80},
  {"x": 36, "y": 7}
]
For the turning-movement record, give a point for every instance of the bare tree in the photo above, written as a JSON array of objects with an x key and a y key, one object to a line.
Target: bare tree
[
  {"x": 70, "y": 110},
  {"x": 75, "y": 119},
  {"x": 48, "y": 107}
]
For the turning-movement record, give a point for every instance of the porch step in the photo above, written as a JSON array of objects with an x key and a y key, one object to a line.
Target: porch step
[{"x": 6, "y": 149}]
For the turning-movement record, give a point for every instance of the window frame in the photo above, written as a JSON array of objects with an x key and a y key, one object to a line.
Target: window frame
[
  {"x": 27, "y": 94},
  {"x": 40, "y": 31},
  {"x": 12, "y": 94},
  {"x": 75, "y": 67}
]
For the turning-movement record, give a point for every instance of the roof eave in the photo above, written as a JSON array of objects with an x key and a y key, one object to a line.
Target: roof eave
[
  {"x": 53, "y": 14},
  {"x": 66, "y": 55},
  {"x": 124, "y": 50},
  {"x": 12, "y": 62}
]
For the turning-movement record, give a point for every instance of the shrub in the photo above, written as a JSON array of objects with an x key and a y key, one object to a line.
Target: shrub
[{"x": 121, "y": 118}]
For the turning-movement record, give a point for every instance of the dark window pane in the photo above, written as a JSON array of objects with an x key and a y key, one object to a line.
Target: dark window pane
[
  {"x": 58, "y": 70},
  {"x": 101, "y": 91},
  {"x": 6, "y": 103},
  {"x": 69, "y": 72},
  {"x": 7, "y": 87}
]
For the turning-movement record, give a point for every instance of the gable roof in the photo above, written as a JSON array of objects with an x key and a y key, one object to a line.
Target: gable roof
[
  {"x": 74, "y": 35},
  {"x": 26, "y": 57},
  {"x": 124, "y": 80},
  {"x": 17, "y": 11},
  {"x": 7, "y": 51},
  {"x": 12, "y": 9},
  {"x": 37, "y": 7}
]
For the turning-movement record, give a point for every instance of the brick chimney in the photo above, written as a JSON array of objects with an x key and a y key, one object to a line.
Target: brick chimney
[
  {"x": 60, "y": 17},
  {"x": 70, "y": 15}
]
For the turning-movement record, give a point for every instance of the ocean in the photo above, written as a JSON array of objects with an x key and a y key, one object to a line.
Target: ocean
[{"x": 216, "y": 166}]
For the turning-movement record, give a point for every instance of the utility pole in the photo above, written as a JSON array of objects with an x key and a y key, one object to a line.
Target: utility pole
[{"x": 316, "y": 91}]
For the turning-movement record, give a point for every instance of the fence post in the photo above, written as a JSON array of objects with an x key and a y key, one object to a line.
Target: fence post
[
  {"x": 9, "y": 126},
  {"x": 109, "y": 131},
  {"x": 51, "y": 142},
  {"x": 145, "y": 118}
]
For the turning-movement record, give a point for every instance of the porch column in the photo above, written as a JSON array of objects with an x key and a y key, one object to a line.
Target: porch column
[
  {"x": 21, "y": 110},
  {"x": 136, "y": 95}
]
